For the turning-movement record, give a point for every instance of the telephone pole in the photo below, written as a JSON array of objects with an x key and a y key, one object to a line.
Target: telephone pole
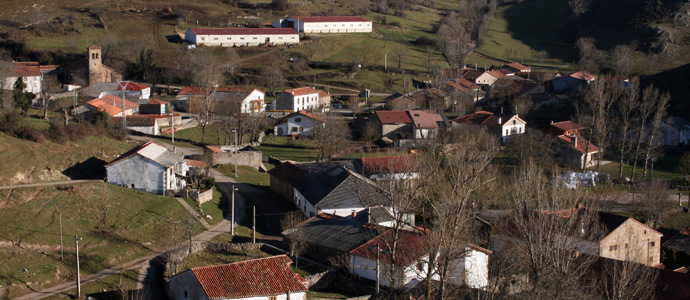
[
  {"x": 76, "y": 242},
  {"x": 124, "y": 118},
  {"x": 172, "y": 123},
  {"x": 232, "y": 211},
  {"x": 253, "y": 224},
  {"x": 62, "y": 249},
  {"x": 378, "y": 270}
]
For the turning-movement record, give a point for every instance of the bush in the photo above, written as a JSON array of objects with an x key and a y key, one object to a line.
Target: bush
[
  {"x": 424, "y": 41},
  {"x": 29, "y": 133}
]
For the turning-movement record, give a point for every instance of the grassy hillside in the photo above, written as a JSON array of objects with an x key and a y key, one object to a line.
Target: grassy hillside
[
  {"x": 530, "y": 32},
  {"x": 116, "y": 224},
  {"x": 28, "y": 162}
]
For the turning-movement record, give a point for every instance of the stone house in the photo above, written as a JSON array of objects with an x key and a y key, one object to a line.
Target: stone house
[
  {"x": 149, "y": 167},
  {"x": 269, "y": 278},
  {"x": 392, "y": 125}
]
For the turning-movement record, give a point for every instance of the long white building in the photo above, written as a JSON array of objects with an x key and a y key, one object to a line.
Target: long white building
[
  {"x": 336, "y": 24},
  {"x": 237, "y": 37}
]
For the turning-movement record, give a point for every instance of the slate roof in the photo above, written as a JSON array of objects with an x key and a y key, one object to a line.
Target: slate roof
[
  {"x": 336, "y": 232},
  {"x": 258, "y": 277},
  {"x": 353, "y": 191},
  {"x": 153, "y": 151},
  {"x": 324, "y": 166},
  {"x": 671, "y": 285},
  {"x": 288, "y": 172},
  {"x": 26, "y": 69},
  {"x": 242, "y": 31},
  {"x": 331, "y": 19},
  {"x": 315, "y": 186}
]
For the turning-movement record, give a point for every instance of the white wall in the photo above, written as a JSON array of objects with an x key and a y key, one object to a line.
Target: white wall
[
  {"x": 509, "y": 128},
  {"x": 247, "y": 102},
  {"x": 476, "y": 270},
  {"x": 143, "y": 174},
  {"x": 304, "y": 205},
  {"x": 343, "y": 212},
  {"x": 33, "y": 84},
  {"x": 292, "y": 126},
  {"x": 333, "y": 27},
  {"x": 237, "y": 40}
]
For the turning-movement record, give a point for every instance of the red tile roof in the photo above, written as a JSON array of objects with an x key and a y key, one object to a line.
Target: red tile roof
[
  {"x": 132, "y": 86},
  {"x": 27, "y": 69},
  {"x": 582, "y": 143},
  {"x": 496, "y": 74},
  {"x": 111, "y": 104},
  {"x": 317, "y": 19},
  {"x": 195, "y": 163},
  {"x": 393, "y": 116},
  {"x": 518, "y": 67},
  {"x": 156, "y": 101},
  {"x": 214, "y": 149},
  {"x": 323, "y": 94},
  {"x": 243, "y": 31},
  {"x": 388, "y": 164},
  {"x": 301, "y": 91},
  {"x": 425, "y": 118},
  {"x": 559, "y": 128},
  {"x": 411, "y": 247},
  {"x": 583, "y": 75},
  {"x": 258, "y": 277}
]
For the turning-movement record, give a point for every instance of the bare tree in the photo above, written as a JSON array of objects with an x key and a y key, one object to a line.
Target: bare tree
[
  {"x": 652, "y": 204},
  {"x": 624, "y": 279},
  {"x": 660, "y": 104},
  {"x": 400, "y": 54},
  {"x": 627, "y": 107},
  {"x": 64, "y": 105},
  {"x": 313, "y": 48},
  {"x": 369, "y": 133},
  {"x": 621, "y": 60},
  {"x": 579, "y": 7},
  {"x": 330, "y": 137},
  {"x": 533, "y": 146},
  {"x": 293, "y": 234},
  {"x": 255, "y": 124},
  {"x": 590, "y": 56},
  {"x": 598, "y": 100},
  {"x": 353, "y": 104},
  {"x": 272, "y": 79},
  {"x": 645, "y": 111}
]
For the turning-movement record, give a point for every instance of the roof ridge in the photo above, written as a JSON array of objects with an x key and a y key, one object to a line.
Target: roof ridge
[{"x": 244, "y": 261}]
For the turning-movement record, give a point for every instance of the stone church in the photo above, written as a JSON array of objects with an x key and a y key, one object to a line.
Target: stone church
[{"x": 91, "y": 70}]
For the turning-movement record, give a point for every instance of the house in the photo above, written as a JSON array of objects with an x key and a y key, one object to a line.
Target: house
[
  {"x": 283, "y": 178},
  {"x": 336, "y": 191},
  {"x": 518, "y": 67},
  {"x": 392, "y": 125},
  {"x": 133, "y": 88},
  {"x": 154, "y": 107},
  {"x": 149, "y": 167},
  {"x": 143, "y": 124},
  {"x": 573, "y": 82},
  {"x": 239, "y": 37},
  {"x": 30, "y": 73},
  {"x": 400, "y": 102},
  {"x": 326, "y": 24},
  {"x": 676, "y": 132},
  {"x": 427, "y": 123},
  {"x": 466, "y": 87},
  {"x": 304, "y": 98},
  {"x": 628, "y": 239},
  {"x": 574, "y": 148},
  {"x": 430, "y": 98},
  {"x": 411, "y": 262},
  {"x": 91, "y": 70},
  {"x": 509, "y": 86},
  {"x": 503, "y": 125},
  {"x": 248, "y": 101},
  {"x": 112, "y": 105},
  {"x": 269, "y": 278},
  {"x": 298, "y": 123},
  {"x": 324, "y": 99},
  {"x": 482, "y": 77}
]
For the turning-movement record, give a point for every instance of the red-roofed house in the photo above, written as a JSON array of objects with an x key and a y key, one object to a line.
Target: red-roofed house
[
  {"x": 133, "y": 88},
  {"x": 304, "y": 98},
  {"x": 503, "y": 125},
  {"x": 250, "y": 101},
  {"x": 573, "y": 82},
  {"x": 30, "y": 72},
  {"x": 518, "y": 68},
  {"x": 326, "y": 24},
  {"x": 411, "y": 262},
  {"x": 427, "y": 123},
  {"x": 237, "y": 37},
  {"x": 387, "y": 167},
  {"x": 298, "y": 123},
  {"x": 392, "y": 124},
  {"x": 112, "y": 105},
  {"x": 482, "y": 77},
  {"x": 575, "y": 149},
  {"x": 265, "y": 278}
]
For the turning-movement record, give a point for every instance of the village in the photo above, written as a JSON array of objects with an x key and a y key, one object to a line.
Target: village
[{"x": 224, "y": 180}]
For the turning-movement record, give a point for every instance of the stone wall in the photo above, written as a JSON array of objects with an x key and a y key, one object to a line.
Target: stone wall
[
  {"x": 244, "y": 158},
  {"x": 202, "y": 197}
]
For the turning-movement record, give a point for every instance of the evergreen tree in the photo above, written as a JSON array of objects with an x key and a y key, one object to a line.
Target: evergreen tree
[{"x": 21, "y": 98}]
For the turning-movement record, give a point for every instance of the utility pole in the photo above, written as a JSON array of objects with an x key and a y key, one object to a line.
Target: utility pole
[
  {"x": 62, "y": 249},
  {"x": 76, "y": 242},
  {"x": 253, "y": 224},
  {"x": 235, "y": 155},
  {"x": 378, "y": 270},
  {"x": 232, "y": 211},
  {"x": 385, "y": 61},
  {"x": 124, "y": 118},
  {"x": 172, "y": 123}
]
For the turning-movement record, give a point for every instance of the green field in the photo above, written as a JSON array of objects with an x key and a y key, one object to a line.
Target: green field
[
  {"x": 664, "y": 169},
  {"x": 214, "y": 135},
  {"x": 528, "y": 32},
  {"x": 116, "y": 224},
  {"x": 246, "y": 174}
]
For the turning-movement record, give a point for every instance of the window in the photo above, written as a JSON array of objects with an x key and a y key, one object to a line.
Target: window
[
  {"x": 215, "y": 39},
  {"x": 420, "y": 266},
  {"x": 514, "y": 122},
  {"x": 613, "y": 247},
  {"x": 301, "y": 129},
  {"x": 651, "y": 244},
  {"x": 255, "y": 38},
  {"x": 202, "y": 39},
  {"x": 626, "y": 245},
  {"x": 294, "y": 129},
  {"x": 186, "y": 294},
  {"x": 272, "y": 298},
  {"x": 297, "y": 120},
  {"x": 241, "y": 38}
]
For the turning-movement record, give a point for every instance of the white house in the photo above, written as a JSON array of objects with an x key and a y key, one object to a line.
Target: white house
[
  {"x": 676, "y": 131},
  {"x": 251, "y": 101},
  {"x": 30, "y": 72},
  {"x": 112, "y": 105},
  {"x": 238, "y": 37},
  {"x": 482, "y": 77},
  {"x": 267, "y": 278},
  {"x": 504, "y": 125},
  {"x": 298, "y": 123},
  {"x": 326, "y": 24},
  {"x": 150, "y": 168},
  {"x": 304, "y": 98},
  {"x": 411, "y": 266}
]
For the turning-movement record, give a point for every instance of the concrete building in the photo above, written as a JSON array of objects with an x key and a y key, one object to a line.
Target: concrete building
[
  {"x": 304, "y": 98},
  {"x": 267, "y": 278},
  {"x": 676, "y": 132},
  {"x": 133, "y": 88},
  {"x": 299, "y": 123},
  {"x": 326, "y": 24},
  {"x": 149, "y": 167},
  {"x": 238, "y": 37}
]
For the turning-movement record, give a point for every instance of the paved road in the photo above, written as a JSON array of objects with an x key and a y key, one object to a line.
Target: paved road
[{"x": 9, "y": 187}]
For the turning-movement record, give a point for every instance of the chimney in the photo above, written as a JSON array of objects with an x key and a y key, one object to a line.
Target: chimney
[
  {"x": 551, "y": 122},
  {"x": 293, "y": 92},
  {"x": 354, "y": 213},
  {"x": 573, "y": 139}
]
